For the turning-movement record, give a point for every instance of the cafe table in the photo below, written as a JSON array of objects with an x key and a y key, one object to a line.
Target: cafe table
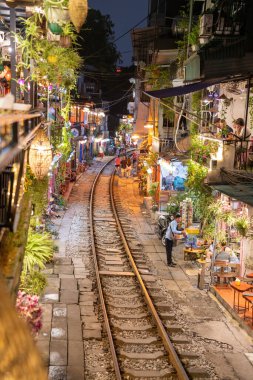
[
  {"x": 239, "y": 289},
  {"x": 191, "y": 254}
]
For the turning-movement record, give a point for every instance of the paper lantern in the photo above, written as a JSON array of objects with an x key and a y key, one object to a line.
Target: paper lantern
[
  {"x": 8, "y": 76},
  {"x": 78, "y": 10},
  {"x": 40, "y": 155}
]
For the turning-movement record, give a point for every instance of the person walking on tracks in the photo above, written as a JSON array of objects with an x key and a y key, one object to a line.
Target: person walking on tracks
[
  {"x": 123, "y": 166},
  {"x": 172, "y": 230},
  {"x": 117, "y": 165},
  {"x": 128, "y": 167}
]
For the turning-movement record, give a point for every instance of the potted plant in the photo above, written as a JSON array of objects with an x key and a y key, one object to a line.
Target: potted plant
[
  {"x": 242, "y": 225},
  {"x": 68, "y": 35},
  {"x": 55, "y": 28}
]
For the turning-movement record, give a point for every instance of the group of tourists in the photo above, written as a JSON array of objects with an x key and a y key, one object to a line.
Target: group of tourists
[{"x": 124, "y": 165}]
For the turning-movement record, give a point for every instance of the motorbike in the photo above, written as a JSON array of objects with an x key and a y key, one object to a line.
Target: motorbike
[{"x": 162, "y": 225}]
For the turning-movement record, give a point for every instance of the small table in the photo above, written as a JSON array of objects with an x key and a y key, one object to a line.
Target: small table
[
  {"x": 250, "y": 275},
  {"x": 192, "y": 253},
  {"x": 239, "y": 289}
]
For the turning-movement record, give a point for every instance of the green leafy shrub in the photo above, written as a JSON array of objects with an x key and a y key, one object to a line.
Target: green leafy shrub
[
  {"x": 33, "y": 283},
  {"x": 39, "y": 250}
]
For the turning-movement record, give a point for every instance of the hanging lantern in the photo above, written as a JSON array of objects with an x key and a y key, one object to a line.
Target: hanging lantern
[
  {"x": 40, "y": 155},
  {"x": 78, "y": 10},
  {"x": 8, "y": 76}
]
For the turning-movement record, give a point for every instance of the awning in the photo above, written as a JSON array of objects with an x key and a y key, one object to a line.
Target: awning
[
  {"x": 243, "y": 192},
  {"x": 188, "y": 88}
]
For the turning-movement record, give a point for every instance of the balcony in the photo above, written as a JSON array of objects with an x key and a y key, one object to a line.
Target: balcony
[
  {"x": 225, "y": 42},
  {"x": 231, "y": 156},
  {"x": 162, "y": 145}
]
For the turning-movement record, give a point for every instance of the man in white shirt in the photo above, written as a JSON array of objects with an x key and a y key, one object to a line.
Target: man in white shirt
[{"x": 170, "y": 233}]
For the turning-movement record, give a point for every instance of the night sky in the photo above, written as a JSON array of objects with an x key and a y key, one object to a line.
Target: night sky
[{"x": 124, "y": 14}]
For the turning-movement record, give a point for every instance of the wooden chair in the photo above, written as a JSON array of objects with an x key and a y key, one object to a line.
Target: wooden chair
[{"x": 225, "y": 270}]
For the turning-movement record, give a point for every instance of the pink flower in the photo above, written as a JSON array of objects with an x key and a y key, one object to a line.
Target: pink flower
[{"x": 30, "y": 310}]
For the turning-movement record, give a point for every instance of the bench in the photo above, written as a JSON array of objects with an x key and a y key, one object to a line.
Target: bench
[{"x": 225, "y": 270}]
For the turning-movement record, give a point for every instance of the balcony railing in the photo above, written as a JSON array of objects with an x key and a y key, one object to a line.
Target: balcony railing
[
  {"x": 16, "y": 134},
  {"x": 230, "y": 155},
  {"x": 161, "y": 145},
  {"x": 15, "y": 131}
]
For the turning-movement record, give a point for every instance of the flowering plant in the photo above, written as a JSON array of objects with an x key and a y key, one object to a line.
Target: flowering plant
[{"x": 30, "y": 310}]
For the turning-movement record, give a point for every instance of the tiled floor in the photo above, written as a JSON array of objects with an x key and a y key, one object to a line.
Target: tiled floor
[{"x": 227, "y": 293}]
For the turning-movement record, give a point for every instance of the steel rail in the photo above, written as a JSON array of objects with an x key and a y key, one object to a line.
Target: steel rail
[
  {"x": 173, "y": 356},
  {"x": 99, "y": 285}
]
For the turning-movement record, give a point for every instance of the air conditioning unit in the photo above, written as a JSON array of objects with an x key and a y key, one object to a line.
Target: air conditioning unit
[{"x": 206, "y": 24}]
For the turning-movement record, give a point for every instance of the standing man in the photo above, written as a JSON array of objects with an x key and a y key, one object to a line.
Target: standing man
[{"x": 172, "y": 230}]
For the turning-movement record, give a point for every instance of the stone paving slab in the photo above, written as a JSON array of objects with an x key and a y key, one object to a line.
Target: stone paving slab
[
  {"x": 59, "y": 329},
  {"x": 59, "y": 311},
  {"x": 57, "y": 373},
  {"x": 63, "y": 269},
  {"x": 68, "y": 283},
  {"x": 43, "y": 347},
  {"x": 69, "y": 297},
  {"x": 74, "y": 331},
  {"x": 58, "y": 353}
]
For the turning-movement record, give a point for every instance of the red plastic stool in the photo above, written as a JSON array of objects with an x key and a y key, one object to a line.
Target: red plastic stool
[{"x": 249, "y": 275}]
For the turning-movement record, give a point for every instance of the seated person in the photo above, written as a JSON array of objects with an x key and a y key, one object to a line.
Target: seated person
[
  {"x": 221, "y": 127},
  {"x": 233, "y": 259},
  {"x": 223, "y": 255},
  {"x": 241, "y": 131}
]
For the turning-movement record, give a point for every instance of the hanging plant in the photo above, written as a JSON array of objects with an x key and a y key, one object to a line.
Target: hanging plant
[
  {"x": 242, "y": 225},
  {"x": 65, "y": 41},
  {"x": 78, "y": 10}
]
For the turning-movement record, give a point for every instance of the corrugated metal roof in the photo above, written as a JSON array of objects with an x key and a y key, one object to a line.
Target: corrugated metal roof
[{"x": 242, "y": 192}]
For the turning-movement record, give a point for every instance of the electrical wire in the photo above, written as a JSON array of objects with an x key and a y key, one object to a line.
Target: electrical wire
[{"x": 118, "y": 38}]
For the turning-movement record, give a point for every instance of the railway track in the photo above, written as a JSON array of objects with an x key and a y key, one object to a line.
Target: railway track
[{"x": 145, "y": 340}]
